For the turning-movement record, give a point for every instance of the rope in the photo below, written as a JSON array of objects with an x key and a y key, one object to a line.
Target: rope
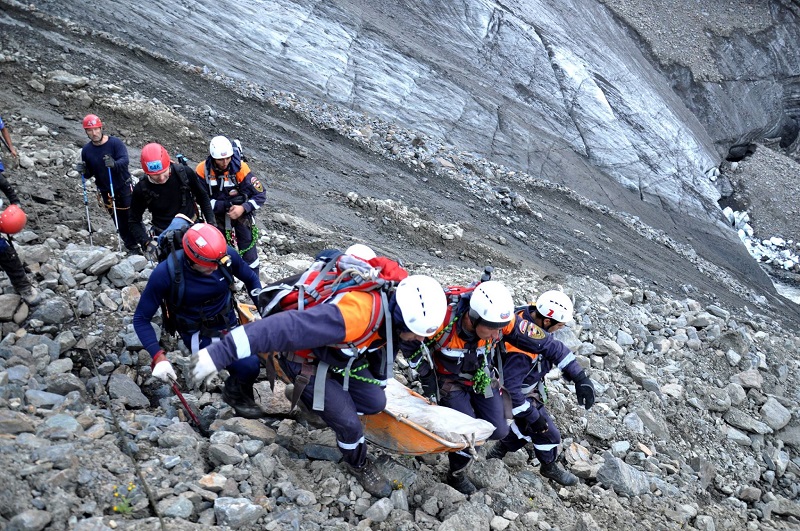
[
  {"x": 352, "y": 374},
  {"x": 254, "y": 232}
]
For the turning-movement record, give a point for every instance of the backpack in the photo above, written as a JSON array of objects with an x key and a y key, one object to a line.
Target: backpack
[
  {"x": 171, "y": 250},
  {"x": 332, "y": 274}
]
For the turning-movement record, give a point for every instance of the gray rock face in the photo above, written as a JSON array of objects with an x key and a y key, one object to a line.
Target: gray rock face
[
  {"x": 12, "y": 422},
  {"x": 774, "y": 414},
  {"x": 53, "y": 311},
  {"x": 123, "y": 388},
  {"x": 469, "y": 516},
  {"x": 623, "y": 478},
  {"x": 743, "y": 421},
  {"x": 8, "y": 305},
  {"x": 236, "y": 512},
  {"x": 30, "y": 520}
]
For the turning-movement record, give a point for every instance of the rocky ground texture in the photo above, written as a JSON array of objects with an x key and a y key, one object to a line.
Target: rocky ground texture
[{"x": 696, "y": 425}]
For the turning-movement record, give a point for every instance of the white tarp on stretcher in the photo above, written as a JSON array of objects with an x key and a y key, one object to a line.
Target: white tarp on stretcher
[{"x": 445, "y": 422}]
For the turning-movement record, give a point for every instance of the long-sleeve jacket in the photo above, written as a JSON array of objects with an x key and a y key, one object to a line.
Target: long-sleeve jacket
[
  {"x": 458, "y": 354},
  {"x": 346, "y": 319},
  {"x": 165, "y": 201},
  {"x": 237, "y": 179},
  {"x": 204, "y": 296},
  {"x": 95, "y": 166},
  {"x": 525, "y": 367}
]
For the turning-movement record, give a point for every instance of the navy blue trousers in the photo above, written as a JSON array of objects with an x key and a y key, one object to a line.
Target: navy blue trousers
[
  {"x": 342, "y": 408},
  {"x": 545, "y": 444},
  {"x": 462, "y": 398},
  {"x": 123, "y": 207}
]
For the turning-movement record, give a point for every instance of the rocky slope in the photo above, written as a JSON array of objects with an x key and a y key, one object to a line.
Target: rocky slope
[{"x": 696, "y": 426}]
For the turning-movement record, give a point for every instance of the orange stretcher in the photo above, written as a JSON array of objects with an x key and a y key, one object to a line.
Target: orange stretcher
[{"x": 410, "y": 424}]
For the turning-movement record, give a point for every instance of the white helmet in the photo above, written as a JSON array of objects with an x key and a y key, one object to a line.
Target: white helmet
[
  {"x": 491, "y": 305},
  {"x": 423, "y": 303},
  {"x": 360, "y": 250},
  {"x": 555, "y": 305},
  {"x": 220, "y": 148}
]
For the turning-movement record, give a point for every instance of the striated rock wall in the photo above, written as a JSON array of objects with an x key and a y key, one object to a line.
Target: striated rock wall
[{"x": 557, "y": 89}]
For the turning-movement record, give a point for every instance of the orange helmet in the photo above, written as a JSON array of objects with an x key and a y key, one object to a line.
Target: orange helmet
[
  {"x": 90, "y": 121},
  {"x": 12, "y": 220},
  {"x": 204, "y": 244},
  {"x": 155, "y": 159}
]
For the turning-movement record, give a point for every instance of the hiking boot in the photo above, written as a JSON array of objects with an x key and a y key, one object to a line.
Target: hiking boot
[
  {"x": 558, "y": 473},
  {"x": 496, "y": 451},
  {"x": 32, "y": 296},
  {"x": 235, "y": 395},
  {"x": 459, "y": 481},
  {"x": 372, "y": 479}
]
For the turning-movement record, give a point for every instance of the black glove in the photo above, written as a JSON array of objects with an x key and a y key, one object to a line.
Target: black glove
[
  {"x": 430, "y": 384},
  {"x": 238, "y": 199},
  {"x": 584, "y": 390},
  {"x": 80, "y": 167},
  {"x": 220, "y": 207},
  {"x": 109, "y": 160},
  {"x": 538, "y": 426}
]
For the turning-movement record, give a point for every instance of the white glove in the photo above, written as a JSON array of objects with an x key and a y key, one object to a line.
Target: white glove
[
  {"x": 164, "y": 371},
  {"x": 202, "y": 367}
]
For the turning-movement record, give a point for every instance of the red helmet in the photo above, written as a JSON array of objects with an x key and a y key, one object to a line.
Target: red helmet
[
  {"x": 155, "y": 159},
  {"x": 204, "y": 244},
  {"x": 12, "y": 220},
  {"x": 90, "y": 121}
]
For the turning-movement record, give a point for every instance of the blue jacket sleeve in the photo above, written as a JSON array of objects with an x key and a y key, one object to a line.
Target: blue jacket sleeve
[
  {"x": 516, "y": 366},
  {"x": 88, "y": 165},
  {"x": 120, "y": 155},
  {"x": 530, "y": 338},
  {"x": 291, "y": 330},
  {"x": 256, "y": 194},
  {"x": 149, "y": 302}
]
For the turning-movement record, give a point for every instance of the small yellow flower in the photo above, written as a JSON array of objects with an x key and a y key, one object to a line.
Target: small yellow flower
[
  {"x": 116, "y": 494},
  {"x": 115, "y": 508}
]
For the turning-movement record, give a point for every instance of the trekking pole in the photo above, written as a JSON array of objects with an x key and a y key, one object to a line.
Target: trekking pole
[
  {"x": 86, "y": 204},
  {"x": 188, "y": 408},
  {"x": 114, "y": 206}
]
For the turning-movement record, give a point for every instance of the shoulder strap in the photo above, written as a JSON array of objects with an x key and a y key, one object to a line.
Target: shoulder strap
[
  {"x": 177, "y": 285},
  {"x": 182, "y": 175}
]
